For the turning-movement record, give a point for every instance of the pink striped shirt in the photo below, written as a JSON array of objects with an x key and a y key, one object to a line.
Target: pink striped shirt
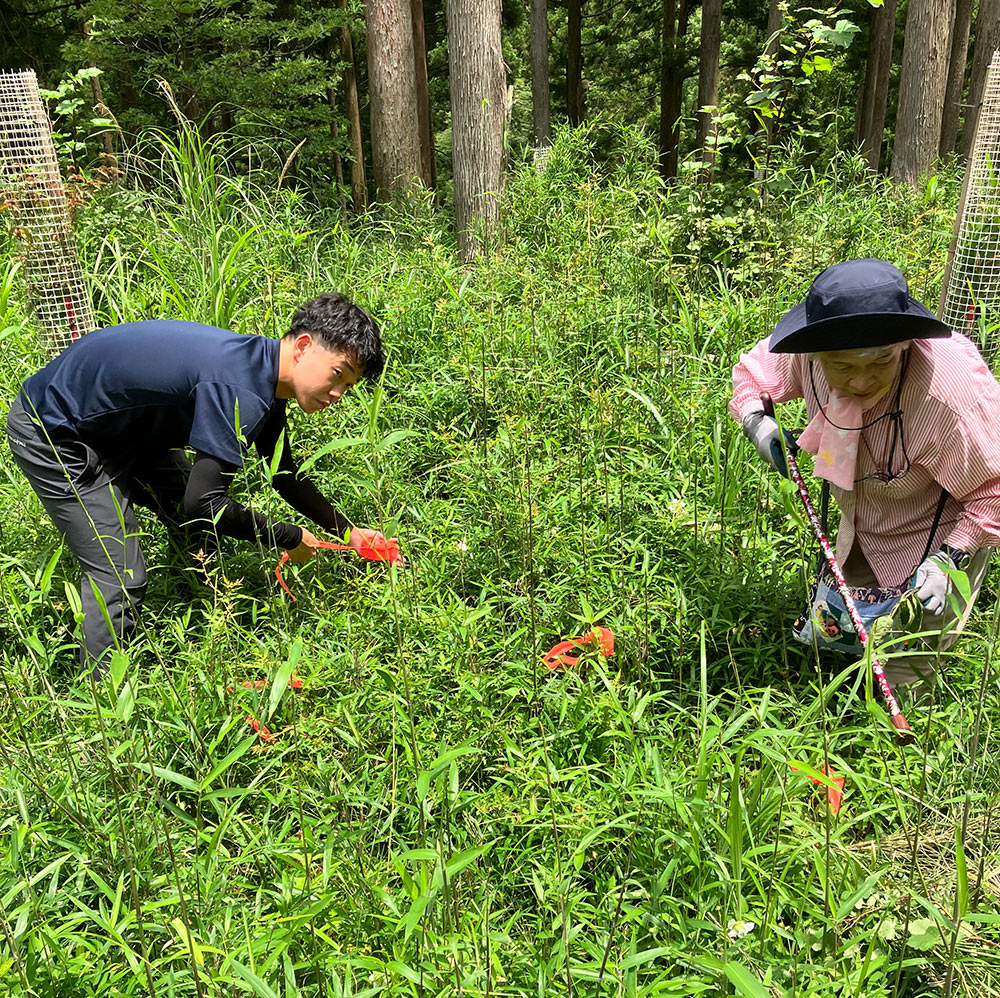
[{"x": 951, "y": 430}]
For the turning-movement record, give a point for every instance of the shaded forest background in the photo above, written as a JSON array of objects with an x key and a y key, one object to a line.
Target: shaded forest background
[{"x": 900, "y": 82}]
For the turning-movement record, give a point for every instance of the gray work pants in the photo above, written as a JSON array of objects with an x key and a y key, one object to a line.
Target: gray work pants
[{"x": 91, "y": 501}]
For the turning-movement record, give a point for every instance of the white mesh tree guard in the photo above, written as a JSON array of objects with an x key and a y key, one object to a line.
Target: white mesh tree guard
[
  {"x": 972, "y": 281},
  {"x": 32, "y": 191}
]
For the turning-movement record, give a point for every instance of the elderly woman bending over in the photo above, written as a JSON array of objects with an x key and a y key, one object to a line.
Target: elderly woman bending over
[{"x": 905, "y": 427}]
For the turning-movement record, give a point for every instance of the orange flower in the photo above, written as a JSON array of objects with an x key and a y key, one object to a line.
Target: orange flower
[{"x": 261, "y": 730}]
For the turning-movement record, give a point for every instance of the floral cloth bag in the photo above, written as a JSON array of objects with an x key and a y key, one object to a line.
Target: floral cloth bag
[{"x": 826, "y": 622}]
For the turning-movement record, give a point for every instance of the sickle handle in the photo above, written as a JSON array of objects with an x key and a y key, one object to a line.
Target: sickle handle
[{"x": 904, "y": 736}]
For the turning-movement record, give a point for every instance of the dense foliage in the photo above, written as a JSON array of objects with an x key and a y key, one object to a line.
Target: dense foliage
[
  {"x": 270, "y": 73},
  {"x": 440, "y": 814}
]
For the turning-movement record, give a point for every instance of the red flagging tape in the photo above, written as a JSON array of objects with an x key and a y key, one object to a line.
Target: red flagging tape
[
  {"x": 834, "y": 794},
  {"x": 262, "y": 684},
  {"x": 600, "y": 638},
  {"x": 74, "y": 332},
  {"x": 378, "y": 548}
]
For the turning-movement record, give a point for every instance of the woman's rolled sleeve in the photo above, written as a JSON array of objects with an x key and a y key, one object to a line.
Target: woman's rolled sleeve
[
  {"x": 969, "y": 468},
  {"x": 759, "y": 371}
]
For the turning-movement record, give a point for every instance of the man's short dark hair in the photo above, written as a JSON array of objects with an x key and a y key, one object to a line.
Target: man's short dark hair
[{"x": 339, "y": 324}]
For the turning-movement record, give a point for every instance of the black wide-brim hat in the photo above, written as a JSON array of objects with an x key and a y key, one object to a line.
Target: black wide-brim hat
[{"x": 852, "y": 306}]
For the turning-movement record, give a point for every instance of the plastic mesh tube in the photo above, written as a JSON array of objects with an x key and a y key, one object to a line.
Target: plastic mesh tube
[
  {"x": 32, "y": 191},
  {"x": 973, "y": 285}
]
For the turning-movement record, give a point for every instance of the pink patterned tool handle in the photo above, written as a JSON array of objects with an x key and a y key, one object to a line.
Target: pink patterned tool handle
[{"x": 904, "y": 736}]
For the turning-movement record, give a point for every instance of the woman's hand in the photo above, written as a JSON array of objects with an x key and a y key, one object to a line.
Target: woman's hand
[{"x": 931, "y": 579}]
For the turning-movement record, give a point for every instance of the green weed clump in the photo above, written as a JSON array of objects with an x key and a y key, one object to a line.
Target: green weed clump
[{"x": 440, "y": 814}]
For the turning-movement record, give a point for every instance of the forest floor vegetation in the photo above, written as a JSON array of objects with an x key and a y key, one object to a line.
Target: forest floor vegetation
[{"x": 439, "y": 813}]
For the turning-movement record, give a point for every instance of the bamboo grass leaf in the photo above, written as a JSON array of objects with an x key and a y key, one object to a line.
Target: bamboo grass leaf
[
  {"x": 745, "y": 981},
  {"x": 257, "y": 986},
  {"x": 329, "y": 448},
  {"x": 224, "y": 764},
  {"x": 282, "y": 677},
  {"x": 162, "y": 773}
]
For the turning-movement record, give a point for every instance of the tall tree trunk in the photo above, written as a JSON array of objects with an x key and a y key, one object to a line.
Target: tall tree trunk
[
  {"x": 772, "y": 41},
  {"x": 987, "y": 42},
  {"x": 574, "y": 64},
  {"x": 359, "y": 185},
  {"x": 541, "y": 104},
  {"x": 708, "y": 77},
  {"x": 956, "y": 76},
  {"x": 672, "y": 96},
  {"x": 773, "y": 26},
  {"x": 668, "y": 129},
  {"x": 394, "y": 126},
  {"x": 478, "y": 114},
  {"x": 189, "y": 102},
  {"x": 338, "y": 163},
  {"x": 428, "y": 165},
  {"x": 672, "y": 54},
  {"x": 110, "y": 160},
  {"x": 921, "y": 88},
  {"x": 866, "y": 96},
  {"x": 127, "y": 94},
  {"x": 875, "y": 93}
]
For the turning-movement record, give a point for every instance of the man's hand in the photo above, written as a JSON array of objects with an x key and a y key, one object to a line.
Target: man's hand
[
  {"x": 762, "y": 431},
  {"x": 362, "y": 535},
  {"x": 932, "y": 583},
  {"x": 307, "y": 548}
]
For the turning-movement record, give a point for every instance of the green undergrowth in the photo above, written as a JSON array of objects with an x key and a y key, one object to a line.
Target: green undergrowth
[{"x": 440, "y": 814}]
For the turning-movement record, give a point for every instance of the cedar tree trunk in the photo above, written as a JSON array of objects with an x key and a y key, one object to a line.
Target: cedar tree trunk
[
  {"x": 875, "y": 93},
  {"x": 478, "y": 114},
  {"x": 541, "y": 104},
  {"x": 708, "y": 76},
  {"x": 574, "y": 64},
  {"x": 956, "y": 76},
  {"x": 987, "y": 42},
  {"x": 359, "y": 185},
  {"x": 428, "y": 164},
  {"x": 922, "y": 88},
  {"x": 394, "y": 126}
]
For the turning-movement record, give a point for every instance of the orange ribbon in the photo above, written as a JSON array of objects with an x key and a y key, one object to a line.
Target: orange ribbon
[
  {"x": 834, "y": 794},
  {"x": 600, "y": 638},
  {"x": 375, "y": 549},
  {"x": 262, "y": 684}
]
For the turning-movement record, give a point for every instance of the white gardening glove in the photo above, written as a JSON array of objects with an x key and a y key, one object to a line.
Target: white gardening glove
[
  {"x": 931, "y": 582},
  {"x": 762, "y": 431}
]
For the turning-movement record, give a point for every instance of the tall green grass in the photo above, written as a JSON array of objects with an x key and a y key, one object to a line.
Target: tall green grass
[{"x": 440, "y": 815}]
